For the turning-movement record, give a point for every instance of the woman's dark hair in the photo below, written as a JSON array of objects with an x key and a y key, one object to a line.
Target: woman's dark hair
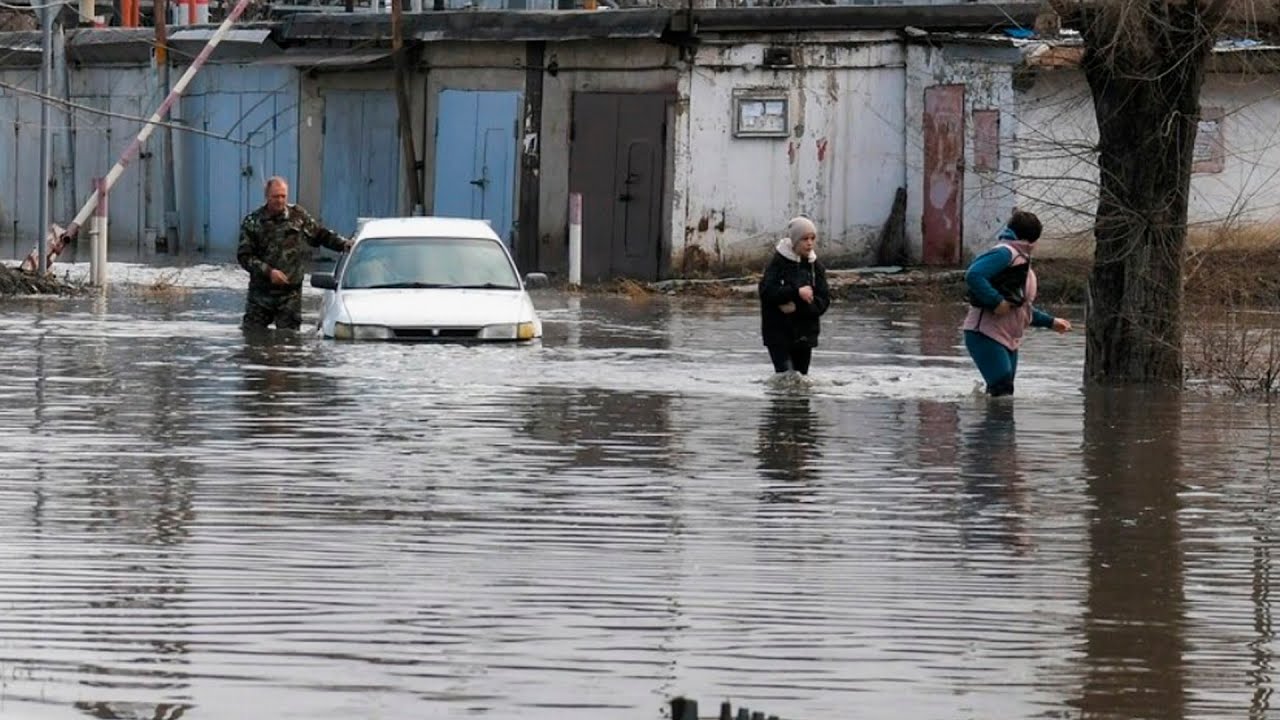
[{"x": 1025, "y": 225}]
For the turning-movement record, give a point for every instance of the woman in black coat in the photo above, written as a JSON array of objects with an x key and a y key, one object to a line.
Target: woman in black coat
[{"x": 793, "y": 297}]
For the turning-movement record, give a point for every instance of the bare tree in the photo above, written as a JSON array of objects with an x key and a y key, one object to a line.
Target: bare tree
[{"x": 1145, "y": 63}]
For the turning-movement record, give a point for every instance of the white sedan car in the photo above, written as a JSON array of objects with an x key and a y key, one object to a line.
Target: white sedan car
[{"x": 424, "y": 279}]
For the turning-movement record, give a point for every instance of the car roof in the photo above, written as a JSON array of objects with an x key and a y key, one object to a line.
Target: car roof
[{"x": 425, "y": 227}]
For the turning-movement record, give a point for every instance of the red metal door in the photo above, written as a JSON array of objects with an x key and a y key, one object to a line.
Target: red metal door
[{"x": 943, "y": 219}]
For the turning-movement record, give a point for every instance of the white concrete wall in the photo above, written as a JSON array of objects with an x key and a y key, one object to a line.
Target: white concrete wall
[
  {"x": 987, "y": 197},
  {"x": 1056, "y": 171},
  {"x": 841, "y": 163},
  {"x": 1057, "y": 168}
]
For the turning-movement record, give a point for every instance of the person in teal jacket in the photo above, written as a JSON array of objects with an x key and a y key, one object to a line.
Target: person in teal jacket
[{"x": 1002, "y": 293}]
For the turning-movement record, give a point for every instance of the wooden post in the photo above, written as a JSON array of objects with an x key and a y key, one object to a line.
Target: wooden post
[
  {"x": 684, "y": 709},
  {"x": 528, "y": 214},
  {"x": 161, "y": 20},
  {"x": 402, "y": 101}
]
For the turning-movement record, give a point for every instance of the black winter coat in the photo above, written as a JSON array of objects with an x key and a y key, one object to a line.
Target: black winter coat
[{"x": 781, "y": 284}]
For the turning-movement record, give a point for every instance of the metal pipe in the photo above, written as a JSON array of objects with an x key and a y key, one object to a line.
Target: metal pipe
[
  {"x": 47, "y": 14},
  {"x": 127, "y": 156}
]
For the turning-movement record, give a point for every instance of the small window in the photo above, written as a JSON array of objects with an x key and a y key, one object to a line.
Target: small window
[
  {"x": 757, "y": 115},
  {"x": 1210, "y": 153}
]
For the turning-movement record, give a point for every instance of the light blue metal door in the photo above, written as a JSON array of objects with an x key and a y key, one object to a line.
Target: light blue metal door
[
  {"x": 361, "y": 158},
  {"x": 476, "y": 157},
  {"x": 250, "y": 115}
]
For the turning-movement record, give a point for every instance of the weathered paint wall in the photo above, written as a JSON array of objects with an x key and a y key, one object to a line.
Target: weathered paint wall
[
  {"x": 19, "y": 164},
  {"x": 462, "y": 66},
  {"x": 1057, "y": 171},
  {"x": 97, "y": 139},
  {"x": 311, "y": 169},
  {"x": 136, "y": 203},
  {"x": 244, "y": 121},
  {"x": 91, "y": 142},
  {"x": 987, "y": 75},
  {"x": 841, "y": 162},
  {"x": 612, "y": 66}
]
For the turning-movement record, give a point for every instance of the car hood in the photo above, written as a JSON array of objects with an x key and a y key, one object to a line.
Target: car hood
[{"x": 432, "y": 307}]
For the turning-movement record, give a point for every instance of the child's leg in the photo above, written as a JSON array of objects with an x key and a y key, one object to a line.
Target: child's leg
[
  {"x": 800, "y": 357},
  {"x": 781, "y": 358},
  {"x": 995, "y": 361}
]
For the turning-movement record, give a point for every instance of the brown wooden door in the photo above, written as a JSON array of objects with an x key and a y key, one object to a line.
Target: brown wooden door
[
  {"x": 617, "y": 157},
  {"x": 943, "y": 217}
]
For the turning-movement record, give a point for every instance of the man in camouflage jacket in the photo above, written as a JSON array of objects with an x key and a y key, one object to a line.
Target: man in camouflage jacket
[{"x": 272, "y": 251}]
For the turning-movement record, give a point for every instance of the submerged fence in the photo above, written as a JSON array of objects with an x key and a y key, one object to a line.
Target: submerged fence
[{"x": 686, "y": 709}]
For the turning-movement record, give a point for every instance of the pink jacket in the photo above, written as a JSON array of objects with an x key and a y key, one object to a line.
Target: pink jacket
[{"x": 1007, "y": 329}]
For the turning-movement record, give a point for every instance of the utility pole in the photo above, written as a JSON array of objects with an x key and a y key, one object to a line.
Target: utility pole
[
  {"x": 47, "y": 14},
  {"x": 169, "y": 224},
  {"x": 402, "y": 101}
]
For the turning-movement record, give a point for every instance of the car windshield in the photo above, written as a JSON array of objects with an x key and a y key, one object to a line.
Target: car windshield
[{"x": 429, "y": 263}]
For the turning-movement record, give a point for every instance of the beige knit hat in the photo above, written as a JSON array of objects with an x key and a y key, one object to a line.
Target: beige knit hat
[{"x": 800, "y": 226}]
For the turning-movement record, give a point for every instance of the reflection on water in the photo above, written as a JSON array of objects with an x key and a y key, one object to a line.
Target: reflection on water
[
  {"x": 200, "y": 523},
  {"x": 1134, "y": 626},
  {"x": 788, "y": 445},
  {"x": 996, "y": 501}
]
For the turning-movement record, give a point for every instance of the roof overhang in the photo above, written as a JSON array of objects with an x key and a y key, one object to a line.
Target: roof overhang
[
  {"x": 978, "y": 17},
  {"x": 312, "y": 58},
  {"x": 480, "y": 25},
  {"x": 1228, "y": 56},
  {"x": 245, "y": 44}
]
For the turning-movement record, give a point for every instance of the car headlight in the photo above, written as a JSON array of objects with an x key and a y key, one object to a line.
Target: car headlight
[
  {"x": 509, "y": 331},
  {"x": 347, "y": 331}
]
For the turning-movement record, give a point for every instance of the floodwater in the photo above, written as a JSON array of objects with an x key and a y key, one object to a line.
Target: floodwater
[{"x": 200, "y": 526}]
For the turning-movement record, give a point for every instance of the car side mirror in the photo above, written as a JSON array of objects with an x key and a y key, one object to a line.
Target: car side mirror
[
  {"x": 536, "y": 280},
  {"x": 325, "y": 281}
]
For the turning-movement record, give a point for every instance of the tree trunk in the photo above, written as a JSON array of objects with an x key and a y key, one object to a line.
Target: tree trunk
[{"x": 1145, "y": 76}]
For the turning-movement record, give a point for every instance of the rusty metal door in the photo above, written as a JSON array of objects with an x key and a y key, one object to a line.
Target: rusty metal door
[
  {"x": 617, "y": 157},
  {"x": 943, "y": 218}
]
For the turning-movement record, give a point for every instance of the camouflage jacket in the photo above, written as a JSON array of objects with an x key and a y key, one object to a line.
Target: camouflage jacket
[{"x": 268, "y": 242}]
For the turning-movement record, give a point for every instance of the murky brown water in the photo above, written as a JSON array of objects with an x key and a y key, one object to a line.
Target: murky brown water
[{"x": 196, "y": 526}]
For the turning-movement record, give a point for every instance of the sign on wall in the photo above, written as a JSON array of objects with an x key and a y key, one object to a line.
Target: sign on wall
[
  {"x": 760, "y": 114},
  {"x": 1209, "y": 153}
]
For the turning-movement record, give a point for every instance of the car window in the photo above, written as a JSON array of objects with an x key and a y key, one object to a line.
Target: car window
[{"x": 429, "y": 262}]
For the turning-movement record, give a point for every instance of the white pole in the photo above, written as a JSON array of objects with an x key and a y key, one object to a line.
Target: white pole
[
  {"x": 575, "y": 239},
  {"x": 95, "y": 238},
  {"x": 98, "y": 237}
]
